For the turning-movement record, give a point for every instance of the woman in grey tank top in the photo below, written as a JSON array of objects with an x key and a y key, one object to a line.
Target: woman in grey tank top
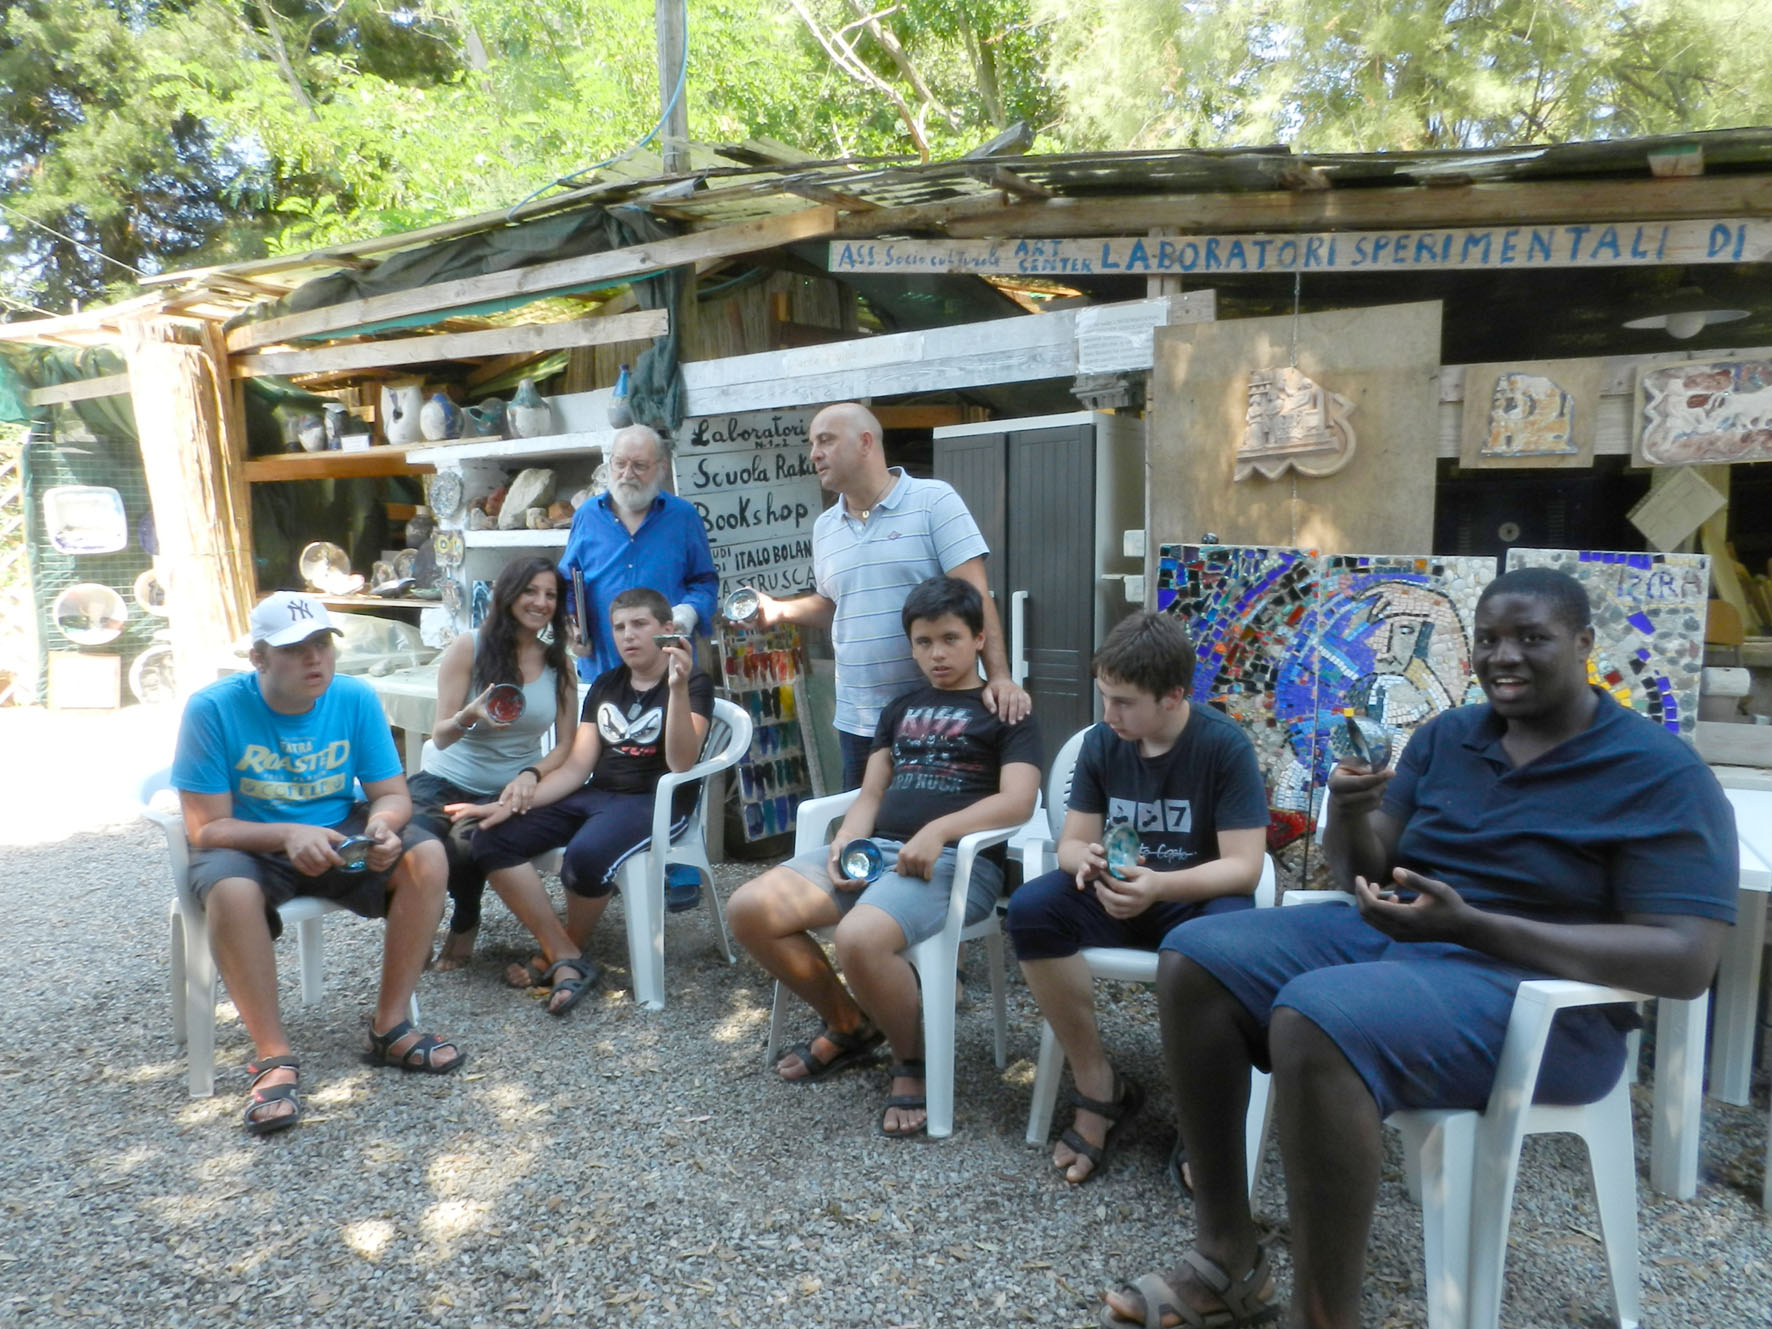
[{"x": 473, "y": 758}]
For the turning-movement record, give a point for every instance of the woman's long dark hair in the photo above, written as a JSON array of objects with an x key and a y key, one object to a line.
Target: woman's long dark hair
[{"x": 496, "y": 659}]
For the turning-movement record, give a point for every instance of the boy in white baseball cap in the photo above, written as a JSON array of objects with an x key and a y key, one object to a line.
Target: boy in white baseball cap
[{"x": 266, "y": 768}]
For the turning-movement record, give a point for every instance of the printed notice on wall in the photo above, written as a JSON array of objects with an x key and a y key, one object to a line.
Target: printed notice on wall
[{"x": 750, "y": 477}]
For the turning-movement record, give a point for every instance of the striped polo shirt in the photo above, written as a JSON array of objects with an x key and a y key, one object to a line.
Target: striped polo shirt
[{"x": 920, "y": 529}]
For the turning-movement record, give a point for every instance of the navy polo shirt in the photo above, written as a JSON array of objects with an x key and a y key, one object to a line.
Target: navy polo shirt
[{"x": 1622, "y": 818}]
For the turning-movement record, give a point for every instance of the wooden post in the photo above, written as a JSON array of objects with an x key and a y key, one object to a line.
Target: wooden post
[
  {"x": 674, "y": 138},
  {"x": 192, "y": 426}
]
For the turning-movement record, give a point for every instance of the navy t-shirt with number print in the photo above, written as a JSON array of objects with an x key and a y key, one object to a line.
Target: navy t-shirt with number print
[
  {"x": 630, "y": 725},
  {"x": 948, "y": 751},
  {"x": 1207, "y": 782}
]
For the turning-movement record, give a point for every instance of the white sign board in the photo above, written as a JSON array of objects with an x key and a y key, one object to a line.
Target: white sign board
[
  {"x": 1583, "y": 245},
  {"x": 750, "y": 477}
]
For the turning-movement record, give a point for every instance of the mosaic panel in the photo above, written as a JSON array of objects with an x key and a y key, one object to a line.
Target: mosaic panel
[
  {"x": 1391, "y": 637},
  {"x": 1286, "y": 640},
  {"x": 1648, "y": 614},
  {"x": 1245, "y": 607}
]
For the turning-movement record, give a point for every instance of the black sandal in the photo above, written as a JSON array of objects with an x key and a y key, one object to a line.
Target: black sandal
[
  {"x": 574, "y": 988},
  {"x": 421, "y": 1056},
  {"x": 852, "y": 1050},
  {"x": 276, "y": 1093},
  {"x": 1128, "y": 1098},
  {"x": 909, "y": 1070}
]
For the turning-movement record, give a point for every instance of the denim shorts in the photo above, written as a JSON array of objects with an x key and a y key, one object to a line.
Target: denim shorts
[{"x": 920, "y": 908}]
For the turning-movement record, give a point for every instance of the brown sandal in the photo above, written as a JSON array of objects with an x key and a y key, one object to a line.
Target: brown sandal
[{"x": 1248, "y": 1300}]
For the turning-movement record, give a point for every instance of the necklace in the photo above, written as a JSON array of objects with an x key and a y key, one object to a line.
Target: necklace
[{"x": 864, "y": 513}]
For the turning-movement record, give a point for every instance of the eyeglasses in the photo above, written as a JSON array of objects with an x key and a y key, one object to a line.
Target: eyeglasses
[{"x": 631, "y": 466}]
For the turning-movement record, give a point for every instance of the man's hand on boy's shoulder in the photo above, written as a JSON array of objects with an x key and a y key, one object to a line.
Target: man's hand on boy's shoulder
[
  {"x": 916, "y": 858},
  {"x": 1004, "y": 699},
  {"x": 1130, "y": 895}
]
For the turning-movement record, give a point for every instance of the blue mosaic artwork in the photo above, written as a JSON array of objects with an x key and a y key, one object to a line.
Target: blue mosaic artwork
[{"x": 1288, "y": 640}]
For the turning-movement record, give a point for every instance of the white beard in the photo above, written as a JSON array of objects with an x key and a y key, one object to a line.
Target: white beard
[{"x": 632, "y": 497}]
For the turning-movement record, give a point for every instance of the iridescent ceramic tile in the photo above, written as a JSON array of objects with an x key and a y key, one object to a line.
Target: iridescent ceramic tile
[{"x": 1648, "y": 612}]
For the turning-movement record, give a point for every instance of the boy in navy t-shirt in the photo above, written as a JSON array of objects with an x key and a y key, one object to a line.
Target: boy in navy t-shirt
[
  {"x": 941, "y": 767},
  {"x": 1185, "y": 779},
  {"x": 266, "y": 769}
]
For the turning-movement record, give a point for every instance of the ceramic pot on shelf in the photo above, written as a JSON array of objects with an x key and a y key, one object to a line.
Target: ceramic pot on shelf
[{"x": 400, "y": 408}]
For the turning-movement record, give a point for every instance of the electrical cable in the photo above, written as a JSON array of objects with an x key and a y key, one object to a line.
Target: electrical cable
[
  {"x": 572, "y": 177},
  {"x": 80, "y": 245}
]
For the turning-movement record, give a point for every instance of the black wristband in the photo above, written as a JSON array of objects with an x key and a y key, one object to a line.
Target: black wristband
[{"x": 532, "y": 771}]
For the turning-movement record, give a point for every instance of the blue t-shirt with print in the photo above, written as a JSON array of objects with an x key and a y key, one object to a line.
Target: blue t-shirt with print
[{"x": 295, "y": 768}]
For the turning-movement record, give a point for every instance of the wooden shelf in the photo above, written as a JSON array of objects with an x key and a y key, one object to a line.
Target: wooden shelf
[
  {"x": 515, "y": 449},
  {"x": 376, "y": 602},
  {"x": 395, "y": 459},
  {"x": 523, "y": 539}
]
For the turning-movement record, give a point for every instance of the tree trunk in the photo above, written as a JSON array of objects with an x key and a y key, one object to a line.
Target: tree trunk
[{"x": 192, "y": 428}]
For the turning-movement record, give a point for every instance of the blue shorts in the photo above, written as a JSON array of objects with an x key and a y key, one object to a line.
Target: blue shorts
[
  {"x": 1049, "y": 918},
  {"x": 1421, "y": 1022},
  {"x": 599, "y": 831},
  {"x": 920, "y": 908}
]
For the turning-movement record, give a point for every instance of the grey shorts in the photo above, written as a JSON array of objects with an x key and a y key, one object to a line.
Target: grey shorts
[
  {"x": 920, "y": 908},
  {"x": 364, "y": 893}
]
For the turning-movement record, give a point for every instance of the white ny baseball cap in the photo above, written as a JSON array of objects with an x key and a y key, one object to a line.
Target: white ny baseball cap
[{"x": 283, "y": 618}]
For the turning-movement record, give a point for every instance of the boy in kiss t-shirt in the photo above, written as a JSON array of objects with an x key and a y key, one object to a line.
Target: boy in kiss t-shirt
[
  {"x": 942, "y": 766},
  {"x": 646, "y": 716}
]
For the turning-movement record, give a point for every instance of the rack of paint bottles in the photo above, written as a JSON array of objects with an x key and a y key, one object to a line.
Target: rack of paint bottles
[{"x": 764, "y": 671}]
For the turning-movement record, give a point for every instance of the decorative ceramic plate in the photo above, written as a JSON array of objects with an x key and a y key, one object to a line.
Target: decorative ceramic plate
[
  {"x": 449, "y": 548},
  {"x": 150, "y": 594},
  {"x": 451, "y": 595},
  {"x": 323, "y": 565},
  {"x": 445, "y": 493}
]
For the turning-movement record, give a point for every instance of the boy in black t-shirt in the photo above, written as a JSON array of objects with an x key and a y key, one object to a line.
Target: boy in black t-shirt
[
  {"x": 646, "y": 716},
  {"x": 1185, "y": 778},
  {"x": 942, "y": 766}
]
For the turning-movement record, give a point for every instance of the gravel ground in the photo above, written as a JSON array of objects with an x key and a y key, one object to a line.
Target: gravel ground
[{"x": 616, "y": 1167}]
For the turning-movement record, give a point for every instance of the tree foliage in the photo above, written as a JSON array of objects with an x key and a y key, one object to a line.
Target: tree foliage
[
  {"x": 1370, "y": 75},
  {"x": 162, "y": 133}
]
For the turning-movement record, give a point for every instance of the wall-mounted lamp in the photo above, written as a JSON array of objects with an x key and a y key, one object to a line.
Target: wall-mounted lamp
[{"x": 1686, "y": 314}]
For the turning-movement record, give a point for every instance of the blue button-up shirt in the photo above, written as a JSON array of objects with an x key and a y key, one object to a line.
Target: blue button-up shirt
[{"x": 669, "y": 553}]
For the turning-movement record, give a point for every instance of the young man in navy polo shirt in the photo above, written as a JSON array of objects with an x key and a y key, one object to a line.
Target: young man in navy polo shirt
[{"x": 1547, "y": 833}]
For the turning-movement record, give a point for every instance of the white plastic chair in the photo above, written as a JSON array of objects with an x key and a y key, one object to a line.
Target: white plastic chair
[
  {"x": 1462, "y": 1166},
  {"x": 193, "y": 969},
  {"x": 641, "y": 880},
  {"x": 1119, "y": 963},
  {"x": 935, "y": 960}
]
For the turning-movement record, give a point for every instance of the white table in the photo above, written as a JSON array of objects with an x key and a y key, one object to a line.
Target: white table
[
  {"x": 409, "y": 700},
  {"x": 1738, "y": 971},
  {"x": 1679, "y": 1036}
]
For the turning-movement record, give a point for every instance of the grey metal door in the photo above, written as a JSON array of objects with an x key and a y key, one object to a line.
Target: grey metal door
[
  {"x": 974, "y": 465},
  {"x": 1050, "y": 519}
]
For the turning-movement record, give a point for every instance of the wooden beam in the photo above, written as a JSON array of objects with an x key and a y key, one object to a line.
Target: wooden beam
[
  {"x": 1288, "y": 210},
  {"x": 542, "y": 278},
  {"x": 524, "y": 340},
  {"x": 80, "y": 389},
  {"x": 926, "y": 417},
  {"x": 375, "y": 461}
]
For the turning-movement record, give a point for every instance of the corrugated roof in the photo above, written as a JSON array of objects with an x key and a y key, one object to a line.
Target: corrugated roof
[{"x": 737, "y": 183}]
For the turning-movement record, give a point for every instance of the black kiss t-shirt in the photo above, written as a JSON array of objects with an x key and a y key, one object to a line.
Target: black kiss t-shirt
[
  {"x": 948, "y": 751},
  {"x": 631, "y": 726}
]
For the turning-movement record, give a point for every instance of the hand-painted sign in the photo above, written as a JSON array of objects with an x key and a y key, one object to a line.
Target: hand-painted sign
[
  {"x": 750, "y": 477},
  {"x": 1571, "y": 245}
]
